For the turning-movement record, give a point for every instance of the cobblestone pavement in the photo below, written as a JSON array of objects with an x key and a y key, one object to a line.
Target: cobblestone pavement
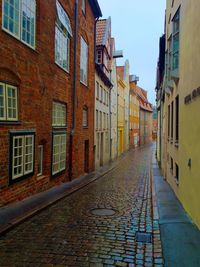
[{"x": 70, "y": 234}]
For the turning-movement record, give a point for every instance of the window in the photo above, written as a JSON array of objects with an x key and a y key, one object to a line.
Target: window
[
  {"x": 40, "y": 159},
  {"x": 177, "y": 119},
  {"x": 177, "y": 173},
  {"x": 168, "y": 121},
  {"x": 85, "y": 116},
  {"x": 169, "y": 63},
  {"x": 84, "y": 62},
  {"x": 100, "y": 126},
  {"x": 83, "y": 6},
  {"x": 97, "y": 90},
  {"x": 59, "y": 114},
  {"x": 8, "y": 103},
  {"x": 19, "y": 19},
  {"x": 97, "y": 119},
  {"x": 175, "y": 38},
  {"x": 99, "y": 60},
  {"x": 171, "y": 165},
  {"x": 101, "y": 93},
  {"x": 172, "y": 120},
  {"x": 63, "y": 33},
  {"x": 59, "y": 153},
  {"x": 22, "y": 155}
]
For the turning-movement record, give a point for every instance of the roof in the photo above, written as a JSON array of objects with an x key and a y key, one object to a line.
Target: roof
[
  {"x": 142, "y": 95},
  {"x": 95, "y": 8},
  {"x": 100, "y": 31}
]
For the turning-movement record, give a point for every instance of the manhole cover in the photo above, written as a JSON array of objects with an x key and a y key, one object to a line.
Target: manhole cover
[
  {"x": 143, "y": 237},
  {"x": 103, "y": 212}
]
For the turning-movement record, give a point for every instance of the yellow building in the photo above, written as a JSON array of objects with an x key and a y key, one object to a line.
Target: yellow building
[
  {"x": 180, "y": 121},
  {"x": 134, "y": 113},
  {"x": 121, "y": 116}
]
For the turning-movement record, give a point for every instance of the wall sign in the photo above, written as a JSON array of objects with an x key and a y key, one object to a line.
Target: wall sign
[{"x": 195, "y": 93}]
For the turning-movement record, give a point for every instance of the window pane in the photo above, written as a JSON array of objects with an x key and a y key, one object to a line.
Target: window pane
[
  {"x": 84, "y": 62},
  {"x": 59, "y": 114},
  {"x": 28, "y": 154},
  {"x": 61, "y": 48},
  {"x": 11, "y": 102},
  {"x": 2, "y": 102},
  {"x": 17, "y": 157},
  {"x": 40, "y": 160},
  {"x": 11, "y": 16},
  {"x": 28, "y": 22},
  {"x": 59, "y": 153}
]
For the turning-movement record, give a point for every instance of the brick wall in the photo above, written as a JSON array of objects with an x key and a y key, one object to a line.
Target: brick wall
[{"x": 40, "y": 81}]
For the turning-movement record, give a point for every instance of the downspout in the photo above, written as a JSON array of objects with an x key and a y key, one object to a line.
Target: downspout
[
  {"x": 94, "y": 100},
  {"x": 110, "y": 114},
  {"x": 72, "y": 133},
  {"x": 117, "y": 122}
]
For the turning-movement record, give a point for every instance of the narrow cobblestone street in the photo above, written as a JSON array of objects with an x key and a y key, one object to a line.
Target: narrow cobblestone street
[{"x": 72, "y": 233}]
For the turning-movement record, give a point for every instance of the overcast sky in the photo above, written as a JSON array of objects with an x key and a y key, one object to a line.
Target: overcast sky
[{"x": 137, "y": 26}]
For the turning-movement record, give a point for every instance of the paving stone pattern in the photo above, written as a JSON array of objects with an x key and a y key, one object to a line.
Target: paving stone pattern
[{"x": 69, "y": 234}]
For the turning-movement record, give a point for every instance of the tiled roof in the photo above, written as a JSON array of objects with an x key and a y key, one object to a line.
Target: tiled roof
[
  {"x": 100, "y": 31},
  {"x": 144, "y": 103}
]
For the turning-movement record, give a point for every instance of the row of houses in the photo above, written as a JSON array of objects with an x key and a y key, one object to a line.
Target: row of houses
[
  {"x": 66, "y": 108},
  {"x": 178, "y": 91}
]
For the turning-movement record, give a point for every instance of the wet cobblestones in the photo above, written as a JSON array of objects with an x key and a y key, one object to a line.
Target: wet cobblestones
[{"x": 69, "y": 234}]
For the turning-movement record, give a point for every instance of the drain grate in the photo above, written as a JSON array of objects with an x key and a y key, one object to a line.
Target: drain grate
[
  {"x": 103, "y": 212},
  {"x": 143, "y": 237}
]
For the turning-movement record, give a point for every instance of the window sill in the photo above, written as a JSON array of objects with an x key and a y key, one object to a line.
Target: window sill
[
  {"x": 60, "y": 67},
  {"x": 10, "y": 122},
  {"x": 40, "y": 177},
  {"x": 59, "y": 127},
  {"x": 176, "y": 144},
  {"x": 85, "y": 127},
  {"x": 175, "y": 75},
  {"x": 84, "y": 84},
  {"x": 176, "y": 181}
]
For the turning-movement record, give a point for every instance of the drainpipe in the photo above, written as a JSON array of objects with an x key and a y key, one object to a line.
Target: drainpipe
[{"x": 73, "y": 92}]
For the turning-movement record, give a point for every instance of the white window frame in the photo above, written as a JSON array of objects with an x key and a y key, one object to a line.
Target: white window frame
[
  {"x": 24, "y": 155},
  {"x": 65, "y": 41},
  {"x": 84, "y": 62},
  {"x": 41, "y": 152},
  {"x": 59, "y": 154},
  {"x": 6, "y": 104},
  {"x": 20, "y": 24},
  {"x": 58, "y": 108}
]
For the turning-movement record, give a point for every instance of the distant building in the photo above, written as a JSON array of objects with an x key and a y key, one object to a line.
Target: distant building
[
  {"x": 134, "y": 113},
  {"x": 123, "y": 74},
  {"x": 103, "y": 92},
  {"x": 155, "y": 123},
  {"x": 145, "y": 117}
]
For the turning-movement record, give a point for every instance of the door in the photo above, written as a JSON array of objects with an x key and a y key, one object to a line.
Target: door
[{"x": 86, "y": 162}]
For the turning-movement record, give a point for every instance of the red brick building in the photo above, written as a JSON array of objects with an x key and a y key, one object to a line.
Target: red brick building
[{"x": 46, "y": 94}]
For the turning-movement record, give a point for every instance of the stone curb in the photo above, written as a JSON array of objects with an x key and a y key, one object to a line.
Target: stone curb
[{"x": 13, "y": 223}]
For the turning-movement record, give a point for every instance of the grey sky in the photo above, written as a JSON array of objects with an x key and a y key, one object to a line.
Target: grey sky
[{"x": 137, "y": 26}]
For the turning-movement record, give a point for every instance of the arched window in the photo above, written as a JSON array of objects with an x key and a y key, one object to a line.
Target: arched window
[
  {"x": 19, "y": 19},
  {"x": 85, "y": 116}
]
